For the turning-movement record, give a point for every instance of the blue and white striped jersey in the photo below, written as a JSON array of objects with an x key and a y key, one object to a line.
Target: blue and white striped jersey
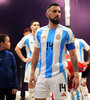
[
  {"x": 80, "y": 45},
  {"x": 53, "y": 44},
  {"x": 28, "y": 42}
]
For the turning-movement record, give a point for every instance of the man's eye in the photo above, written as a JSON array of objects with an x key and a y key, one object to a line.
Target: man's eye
[
  {"x": 54, "y": 10},
  {"x": 59, "y": 11}
]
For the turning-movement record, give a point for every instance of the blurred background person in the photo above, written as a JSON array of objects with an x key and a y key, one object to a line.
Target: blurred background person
[
  {"x": 28, "y": 42},
  {"x": 22, "y": 68},
  {"x": 82, "y": 92},
  {"x": 8, "y": 70}
]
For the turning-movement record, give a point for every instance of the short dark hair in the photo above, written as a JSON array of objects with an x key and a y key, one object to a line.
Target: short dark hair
[
  {"x": 53, "y": 4},
  {"x": 2, "y": 37},
  {"x": 33, "y": 22}
]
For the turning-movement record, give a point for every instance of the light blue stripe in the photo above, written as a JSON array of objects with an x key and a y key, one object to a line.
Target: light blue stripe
[
  {"x": 80, "y": 49},
  {"x": 28, "y": 45},
  {"x": 49, "y": 52},
  {"x": 78, "y": 97},
  {"x": 64, "y": 74},
  {"x": 40, "y": 59},
  {"x": 63, "y": 39}
]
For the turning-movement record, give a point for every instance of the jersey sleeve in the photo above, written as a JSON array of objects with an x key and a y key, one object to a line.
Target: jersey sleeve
[
  {"x": 37, "y": 40},
  {"x": 70, "y": 40},
  {"x": 86, "y": 46},
  {"x": 21, "y": 43}
]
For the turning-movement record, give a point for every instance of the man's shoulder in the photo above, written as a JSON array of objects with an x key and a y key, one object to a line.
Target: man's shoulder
[
  {"x": 27, "y": 36},
  {"x": 80, "y": 40},
  {"x": 42, "y": 28},
  {"x": 64, "y": 28}
]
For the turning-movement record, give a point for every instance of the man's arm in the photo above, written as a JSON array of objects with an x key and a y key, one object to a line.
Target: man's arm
[
  {"x": 20, "y": 55},
  {"x": 35, "y": 58},
  {"x": 85, "y": 73},
  {"x": 74, "y": 62}
]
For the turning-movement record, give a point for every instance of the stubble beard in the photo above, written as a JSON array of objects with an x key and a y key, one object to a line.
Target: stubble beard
[{"x": 55, "y": 21}]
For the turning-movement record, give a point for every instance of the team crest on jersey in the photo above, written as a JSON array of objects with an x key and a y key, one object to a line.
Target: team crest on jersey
[
  {"x": 43, "y": 37},
  {"x": 58, "y": 37}
]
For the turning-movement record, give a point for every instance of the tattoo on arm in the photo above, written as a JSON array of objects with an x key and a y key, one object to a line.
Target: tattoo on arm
[{"x": 74, "y": 62}]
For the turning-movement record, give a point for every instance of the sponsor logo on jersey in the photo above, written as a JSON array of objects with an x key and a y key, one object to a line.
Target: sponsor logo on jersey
[{"x": 63, "y": 94}]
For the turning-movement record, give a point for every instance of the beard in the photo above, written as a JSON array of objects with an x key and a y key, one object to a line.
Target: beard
[{"x": 55, "y": 20}]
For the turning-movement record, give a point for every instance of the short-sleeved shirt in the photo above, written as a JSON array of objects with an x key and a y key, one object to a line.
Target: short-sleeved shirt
[
  {"x": 80, "y": 45},
  {"x": 27, "y": 42},
  {"x": 53, "y": 44}
]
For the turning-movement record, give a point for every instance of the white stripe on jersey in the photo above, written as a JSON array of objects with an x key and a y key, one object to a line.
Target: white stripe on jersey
[{"x": 43, "y": 48}]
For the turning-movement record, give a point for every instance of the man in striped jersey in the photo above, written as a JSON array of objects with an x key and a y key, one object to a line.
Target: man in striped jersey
[
  {"x": 28, "y": 42},
  {"x": 52, "y": 42},
  {"x": 81, "y": 45},
  {"x": 82, "y": 92}
]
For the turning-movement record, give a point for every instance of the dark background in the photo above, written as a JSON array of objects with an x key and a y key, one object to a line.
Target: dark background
[{"x": 16, "y": 15}]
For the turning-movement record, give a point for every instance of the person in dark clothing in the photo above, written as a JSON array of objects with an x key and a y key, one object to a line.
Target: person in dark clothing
[{"x": 8, "y": 70}]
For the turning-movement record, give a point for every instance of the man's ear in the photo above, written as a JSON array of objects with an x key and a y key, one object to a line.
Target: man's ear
[
  {"x": 1, "y": 44},
  {"x": 47, "y": 14}
]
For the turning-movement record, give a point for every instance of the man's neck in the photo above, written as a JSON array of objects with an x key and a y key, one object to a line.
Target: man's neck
[
  {"x": 53, "y": 26},
  {"x": 33, "y": 33}
]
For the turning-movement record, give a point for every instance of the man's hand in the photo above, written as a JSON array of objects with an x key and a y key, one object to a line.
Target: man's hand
[
  {"x": 32, "y": 79},
  {"x": 27, "y": 60},
  {"x": 86, "y": 62},
  {"x": 14, "y": 91},
  {"x": 75, "y": 82}
]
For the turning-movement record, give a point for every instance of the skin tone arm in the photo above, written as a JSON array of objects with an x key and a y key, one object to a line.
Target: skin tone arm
[
  {"x": 74, "y": 62},
  {"x": 35, "y": 58},
  {"x": 19, "y": 53}
]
